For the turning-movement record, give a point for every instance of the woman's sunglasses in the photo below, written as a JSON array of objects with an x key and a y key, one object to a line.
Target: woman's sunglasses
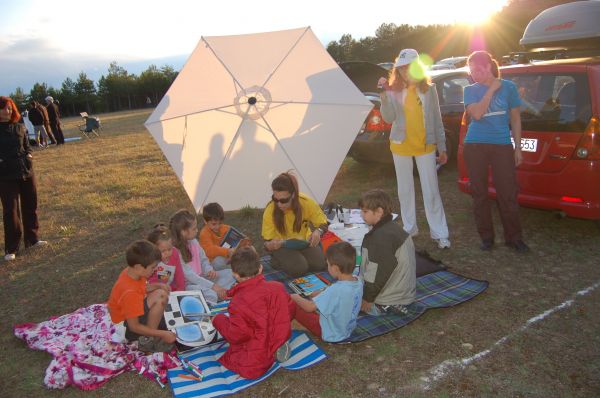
[{"x": 282, "y": 201}]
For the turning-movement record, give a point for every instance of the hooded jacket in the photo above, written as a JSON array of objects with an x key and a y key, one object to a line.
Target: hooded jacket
[{"x": 259, "y": 323}]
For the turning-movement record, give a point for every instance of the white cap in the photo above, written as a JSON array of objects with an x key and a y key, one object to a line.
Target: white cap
[
  {"x": 49, "y": 99},
  {"x": 406, "y": 56}
]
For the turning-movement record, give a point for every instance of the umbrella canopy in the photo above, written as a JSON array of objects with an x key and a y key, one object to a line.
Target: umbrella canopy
[{"x": 245, "y": 108}]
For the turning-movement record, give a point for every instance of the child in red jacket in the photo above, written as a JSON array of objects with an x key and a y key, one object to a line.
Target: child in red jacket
[{"x": 259, "y": 321}]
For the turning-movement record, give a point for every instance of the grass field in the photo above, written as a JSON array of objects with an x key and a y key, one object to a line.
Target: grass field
[{"x": 98, "y": 195}]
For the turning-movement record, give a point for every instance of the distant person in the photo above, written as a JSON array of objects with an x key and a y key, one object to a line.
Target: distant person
[
  {"x": 259, "y": 322},
  {"x": 292, "y": 215},
  {"x": 39, "y": 121},
  {"x": 148, "y": 102},
  {"x": 44, "y": 112},
  {"x": 54, "y": 120},
  {"x": 495, "y": 110},
  {"x": 29, "y": 127},
  {"x": 169, "y": 270},
  {"x": 139, "y": 304},
  {"x": 331, "y": 314},
  {"x": 18, "y": 190},
  {"x": 388, "y": 259},
  {"x": 199, "y": 273},
  {"x": 410, "y": 102}
]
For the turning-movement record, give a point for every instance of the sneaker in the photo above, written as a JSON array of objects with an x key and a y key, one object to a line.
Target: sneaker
[
  {"x": 486, "y": 245},
  {"x": 519, "y": 246},
  {"x": 40, "y": 243},
  {"x": 443, "y": 243},
  {"x": 10, "y": 257},
  {"x": 153, "y": 344},
  {"x": 283, "y": 352},
  {"x": 397, "y": 309}
]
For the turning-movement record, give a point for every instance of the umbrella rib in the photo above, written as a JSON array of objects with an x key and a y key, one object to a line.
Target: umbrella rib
[
  {"x": 284, "y": 58},
  {"x": 193, "y": 113},
  {"x": 287, "y": 155},
  {"x": 222, "y": 63},
  {"x": 227, "y": 154}
]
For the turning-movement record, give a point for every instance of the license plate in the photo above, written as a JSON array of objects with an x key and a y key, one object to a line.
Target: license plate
[{"x": 527, "y": 144}]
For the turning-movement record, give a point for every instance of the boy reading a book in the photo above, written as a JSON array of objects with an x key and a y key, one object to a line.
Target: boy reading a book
[
  {"x": 388, "y": 258},
  {"x": 212, "y": 234},
  {"x": 259, "y": 321},
  {"x": 140, "y": 305},
  {"x": 331, "y": 314}
]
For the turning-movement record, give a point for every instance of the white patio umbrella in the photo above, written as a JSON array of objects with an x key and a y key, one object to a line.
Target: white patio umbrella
[{"x": 245, "y": 108}]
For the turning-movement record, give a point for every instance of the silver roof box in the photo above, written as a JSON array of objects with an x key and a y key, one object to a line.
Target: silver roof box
[{"x": 571, "y": 25}]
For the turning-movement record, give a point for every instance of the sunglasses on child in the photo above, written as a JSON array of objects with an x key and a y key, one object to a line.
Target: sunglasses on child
[{"x": 283, "y": 200}]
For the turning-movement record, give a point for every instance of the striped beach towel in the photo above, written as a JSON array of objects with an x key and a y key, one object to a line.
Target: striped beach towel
[
  {"x": 440, "y": 289},
  {"x": 218, "y": 381}
]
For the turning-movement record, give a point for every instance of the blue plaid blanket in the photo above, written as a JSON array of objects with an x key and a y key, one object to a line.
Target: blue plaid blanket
[
  {"x": 218, "y": 381},
  {"x": 439, "y": 289}
]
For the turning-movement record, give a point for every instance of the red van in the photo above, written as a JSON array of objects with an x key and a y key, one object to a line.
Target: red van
[
  {"x": 560, "y": 112},
  {"x": 560, "y": 139}
]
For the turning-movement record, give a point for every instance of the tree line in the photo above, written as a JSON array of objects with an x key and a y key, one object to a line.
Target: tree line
[{"x": 120, "y": 90}]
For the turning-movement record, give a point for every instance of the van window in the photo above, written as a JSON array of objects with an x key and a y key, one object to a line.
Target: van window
[
  {"x": 452, "y": 90},
  {"x": 553, "y": 102}
]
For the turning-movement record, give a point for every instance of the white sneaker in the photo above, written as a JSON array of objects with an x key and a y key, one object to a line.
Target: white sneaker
[
  {"x": 10, "y": 257},
  {"x": 40, "y": 243},
  {"x": 443, "y": 243}
]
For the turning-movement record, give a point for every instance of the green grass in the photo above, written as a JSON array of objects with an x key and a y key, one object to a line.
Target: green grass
[{"x": 96, "y": 196}]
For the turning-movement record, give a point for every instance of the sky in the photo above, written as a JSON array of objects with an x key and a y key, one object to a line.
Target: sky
[{"x": 50, "y": 40}]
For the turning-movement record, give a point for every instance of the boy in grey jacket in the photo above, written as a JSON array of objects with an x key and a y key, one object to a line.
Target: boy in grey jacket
[{"x": 388, "y": 259}]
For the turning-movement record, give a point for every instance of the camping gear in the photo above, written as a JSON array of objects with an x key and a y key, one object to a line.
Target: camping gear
[
  {"x": 217, "y": 381},
  {"x": 436, "y": 288},
  {"x": 245, "y": 108},
  {"x": 84, "y": 352},
  {"x": 90, "y": 126}
]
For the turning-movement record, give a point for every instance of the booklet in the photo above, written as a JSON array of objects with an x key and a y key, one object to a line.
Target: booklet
[
  {"x": 234, "y": 238},
  {"x": 307, "y": 284}
]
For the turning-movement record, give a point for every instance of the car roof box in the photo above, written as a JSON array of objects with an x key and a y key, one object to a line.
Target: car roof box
[{"x": 571, "y": 25}]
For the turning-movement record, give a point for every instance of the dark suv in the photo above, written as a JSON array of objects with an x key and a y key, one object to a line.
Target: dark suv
[{"x": 372, "y": 143}]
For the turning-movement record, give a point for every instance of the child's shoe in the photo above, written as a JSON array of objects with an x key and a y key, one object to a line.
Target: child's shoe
[
  {"x": 153, "y": 344},
  {"x": 10, "y": 257},
  {"x": 283, "y": 352}
]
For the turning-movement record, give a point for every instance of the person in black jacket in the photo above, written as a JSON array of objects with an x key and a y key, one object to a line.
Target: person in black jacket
[
  {"x": 17, "y": 182},
  {"x": 54, "y": 118},
  {"x": 41, "y": 127}
]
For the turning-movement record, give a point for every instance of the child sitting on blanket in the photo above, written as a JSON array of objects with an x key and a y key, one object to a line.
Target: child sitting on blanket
[
  {"x": 212, "y": 234},
  {"x": 169, "y": 269},
  {"x": 332, "y": 313},
  {"x": 259, "y": 321},
  {"x": 141, "y": 305},
  {"x": 388, "y": 258},
  {"x": 197, "y": 270}
]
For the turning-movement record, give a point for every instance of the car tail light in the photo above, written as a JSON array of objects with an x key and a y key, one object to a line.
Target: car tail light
[
  {"x": 589, "y": 144},
  {"x": 464, "y": 125},
  {"x": 571, "y": 199},
  {"x": 376, "y": 123}
]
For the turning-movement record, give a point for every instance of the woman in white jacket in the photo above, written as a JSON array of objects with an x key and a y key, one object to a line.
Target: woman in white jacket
[{"x": 410, "y": 102}]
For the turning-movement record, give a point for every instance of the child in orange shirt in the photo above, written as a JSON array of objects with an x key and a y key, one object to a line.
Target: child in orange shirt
[
  {"x": 140, "y": 305},
  {"x": 212, "y": 234}
]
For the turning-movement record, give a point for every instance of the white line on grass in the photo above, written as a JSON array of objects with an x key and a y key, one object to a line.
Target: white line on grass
[{"x": 440, "y": 371}]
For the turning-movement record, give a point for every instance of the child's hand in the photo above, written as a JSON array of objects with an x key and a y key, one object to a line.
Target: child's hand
[
  {"x": 366, "y": 306},
  {"x": 168, "y": 337},
  {"x": 221, "y": 292},
  {"x": 211, "y": 274},
  {"x": 230, "y": 252},
  {"x": 314, "y": 238},
  {"x": 382, "y": 83},
  {"x": 273, "y": 245}
]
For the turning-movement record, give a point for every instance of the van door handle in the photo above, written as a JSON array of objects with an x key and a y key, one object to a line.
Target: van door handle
[{"x": 559, "y": 157}]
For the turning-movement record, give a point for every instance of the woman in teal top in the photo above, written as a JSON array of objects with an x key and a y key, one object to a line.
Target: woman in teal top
[{"x": 494, "y": 107}]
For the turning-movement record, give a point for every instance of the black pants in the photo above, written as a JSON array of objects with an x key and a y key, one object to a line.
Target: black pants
[
  {"x": 501, "y": 159},
  {"x": 143, "y": 319},
  {"x": 58, "y": 133},
  {"x": 296, "y": 263},
  {"x": 11, "y": 192}
]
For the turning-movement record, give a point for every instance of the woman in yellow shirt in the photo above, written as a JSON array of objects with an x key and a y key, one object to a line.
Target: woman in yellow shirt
[
  {"x": 410, "y": 102},
  {"x": 291, "y": 215}
]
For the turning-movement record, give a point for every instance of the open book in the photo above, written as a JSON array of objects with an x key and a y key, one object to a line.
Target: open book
[
  {"x": 307, "y": 284},
  {"x": 234, "y": 238}
]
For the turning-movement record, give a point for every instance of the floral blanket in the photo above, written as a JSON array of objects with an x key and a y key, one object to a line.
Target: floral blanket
[{"x": 84, "y": 354}]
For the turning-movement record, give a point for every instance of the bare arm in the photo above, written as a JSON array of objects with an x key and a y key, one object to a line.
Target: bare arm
[
  {"x": 303, "y": 303},
  {"x": 478, "y": 109},
  {"x": 135, "y": 326},
  {"x": 515, "y": 124}
]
